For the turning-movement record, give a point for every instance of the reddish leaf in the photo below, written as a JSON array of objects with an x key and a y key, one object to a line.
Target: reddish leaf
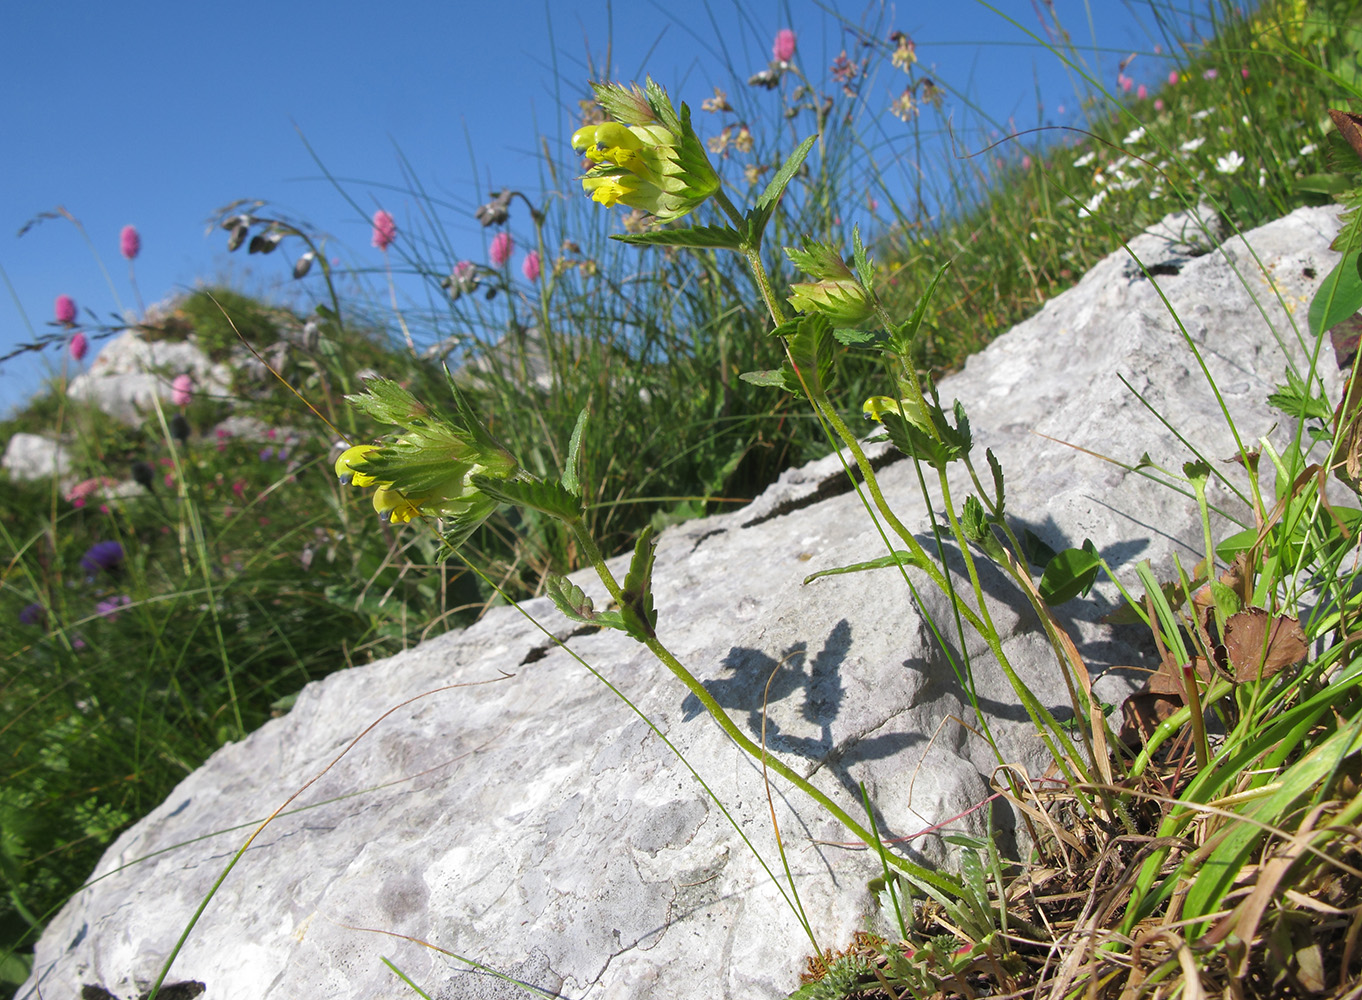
[{"x": 1259, "y": 644}]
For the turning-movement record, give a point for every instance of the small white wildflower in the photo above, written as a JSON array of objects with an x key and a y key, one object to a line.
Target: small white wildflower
[
  {"x": 1155, "y": 193},
  {"x": 1201, "y": 115},
  {"x": 1099, "y": 178},
  {"x": 1086, "y": 158},
  {"x": 1192, "y": 145},
  {"x": 1308, "y": 148},
  {"x": 1135, "y": 136},
  {"x": 1092, "y": 204},
  {"x": 1262, "y": 177},
  {"x": 1122, "y": 162},
  {"x": 1035, "y": 237},
  {"x": 1229, "y": 163},
  {"x": 1244, "y": 119}
]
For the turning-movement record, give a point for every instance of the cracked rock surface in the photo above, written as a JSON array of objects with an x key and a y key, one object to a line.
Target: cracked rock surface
[{"x": 520, "y": 815}]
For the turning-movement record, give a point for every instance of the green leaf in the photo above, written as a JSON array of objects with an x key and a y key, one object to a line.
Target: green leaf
[
  {"x": 571, "y": 478},
  {"x": 898, "y": 557},
  {"x": 771, "y": 376},
  {"x": 636, "y": 606},
  {"x": 766, "y": 204},
  {"x": 997, "y": 469},
  {"x": 1332, "y": 185},
  {"x": 1070, "y": 573},
  {"x": 901, "y": 338},
  {"x": 810, "y": 350},
  {"x": 852, "y": 337},
  {"x": 1239, "y": 542},
  {"x": 698, "y": 237},
  {"x": 1339, "y": 295},
  {"x": 1295, "y": 400},
  {"x": 1034, "y": 550},
  {"x": 550, "y": 498},
  {"x": 569, "y": 598},
  {"x": 864, "y": 271}
]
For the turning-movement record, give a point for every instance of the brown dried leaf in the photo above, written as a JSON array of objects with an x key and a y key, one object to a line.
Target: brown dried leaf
[
  {"x": 1161, "y": 696},
  {"x": 1349, "y": 126},
  {"x": 1260, "y": 644}
]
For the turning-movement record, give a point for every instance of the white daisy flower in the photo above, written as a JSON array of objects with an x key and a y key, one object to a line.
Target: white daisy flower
[
  {"x": 1308, "y": 148},
  {"x": 1135, "y": 136},
  {"x": 1086, "y": 158},
  {"x": 1201, "y": 115},
  {"x": 1192, "y": 145}
]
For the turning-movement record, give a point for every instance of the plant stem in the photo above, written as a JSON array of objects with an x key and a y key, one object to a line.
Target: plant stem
[{"x": 593, "y": 555}]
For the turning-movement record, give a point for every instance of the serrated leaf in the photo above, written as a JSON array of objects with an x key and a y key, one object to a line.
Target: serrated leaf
[
  {"x": 864, "y": 271},
  {"x": 548, "y": 497},
  {"x": 898, "y": 557},
  {"x": 771, "y": 376},
  {"x": 766, "y": 204},
  {"x": 852, "y": 337},
  {"x": 1000, "y": 498},
  {"x": 636, "y": 606},
  {"x": 901, "y": 337},
  {"x": 1070, "y": 573},
  {"x": 1339, "y": 295},
  {"x": 571, "y": 478},
  {"x": 1295, "y": 400},
  {"x": 810, "y": 351},
  {"x": 819, "y": 261},
  {"x": 697, "y": 237},
  {"x": 570, "y": 599}
]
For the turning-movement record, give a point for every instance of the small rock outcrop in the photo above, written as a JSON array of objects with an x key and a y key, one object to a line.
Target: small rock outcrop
[
  {"x": 130, "y": 372},
  {"x": 509, "y": 809}
]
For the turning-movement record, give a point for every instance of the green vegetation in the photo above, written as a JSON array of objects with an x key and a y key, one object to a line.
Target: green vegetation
[{"x": 188, "y": 582}]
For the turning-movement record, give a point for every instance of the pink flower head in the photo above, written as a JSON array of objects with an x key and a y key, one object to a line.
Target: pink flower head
[
  {"x": 1158, "y": 104},
  {"x": 1142, "y": 92},
  {"x": 1210, "y": 74},
  {"x": 1025, "y": 162},
  {"x": 79, "y": 345},
  {"x": 501, "y": 248},
  {"x": 1172, "y": 78},
  {"x": 530, "y": 266},
  {"x": 385, "y": 230},
  {"x": 1125, "y": 82},
  {"x": 129, "y": 243},
  {"x": 65, "y": 308},
  {"x": 182, "y": 390},
  {"x": 782, "y": 49},
  {"x": 1243, "y": 71}
]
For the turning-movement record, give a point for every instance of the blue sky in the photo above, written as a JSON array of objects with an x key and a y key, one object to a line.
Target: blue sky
[{"x": 156, "y": 114}]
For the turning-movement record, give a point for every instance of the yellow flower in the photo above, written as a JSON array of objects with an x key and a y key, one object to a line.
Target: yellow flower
[
  {"x": 610, "y": 142},
  {"x": 609, "y": 190},
  {"x": 649, "y": 158},
  {"x": 393, "y": 507},
  {"x": 347, "y": 473}
]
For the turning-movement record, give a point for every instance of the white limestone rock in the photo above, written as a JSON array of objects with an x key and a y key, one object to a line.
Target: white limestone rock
[{"x": 521, "y": 815}]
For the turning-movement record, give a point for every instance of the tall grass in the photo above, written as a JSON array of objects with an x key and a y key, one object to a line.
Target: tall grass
[{"x": 244, "y": 574}]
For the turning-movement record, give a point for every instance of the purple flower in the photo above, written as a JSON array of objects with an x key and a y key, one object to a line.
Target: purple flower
[
  {"x": 385, "y": 230},
  {"x": 501, "y": 248},
  {"x": 129, "y": 243},
  {"x": 1210, "y": 74},
  {"x": 783, "y": 48},
  {"x": 102, "y": 555},
  {"x": 65, "y": 308},
  {"x": 32, "y": 614},
  {"x": 109, "y": 609},
  {"x": 79, "y": 345},
  {"x": 530, "y": 266},
  {"x": 182, "y": 390},
  {"x": 266, "y": 454}
]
